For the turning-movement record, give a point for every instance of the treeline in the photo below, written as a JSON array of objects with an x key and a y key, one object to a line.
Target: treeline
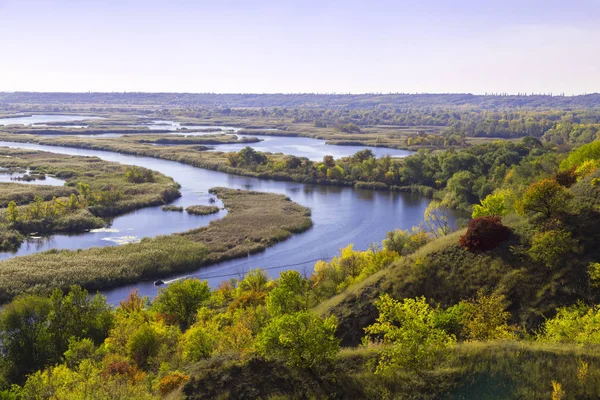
[
  {"x": 459, "y": 178},
  {"x": 313, "y": 100}
]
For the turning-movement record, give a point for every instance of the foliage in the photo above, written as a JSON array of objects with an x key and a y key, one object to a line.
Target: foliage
[
  {"x": 202, "y": 210},
  {"x": 180, "y": 300},
  {"x": 436, "y": 219},
  {"x": 551, "y": 246},
  {"x": 484, "y": 233},
  {"x": 171, "y": 382},
  {"x": 300, "y": 339},
  {"x": 290, "y": 295},
  {"x": 582, "y": 154},
  {"x": 485, "y": 318},
  {"x": 497, "y": 204},
  {"x": 546, "y": 198},
  {"x": 405, "y": 242},
  {"x": 139, "y": 175},
  {"x": 330, "y": 278},
  {"x": 574, "y": 324},
  {"x": 411, "y": 339},
  {"x": 36, "y": 331}
]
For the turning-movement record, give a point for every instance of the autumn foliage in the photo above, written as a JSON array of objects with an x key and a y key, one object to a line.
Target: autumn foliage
[{"x": 484, "y": 233}]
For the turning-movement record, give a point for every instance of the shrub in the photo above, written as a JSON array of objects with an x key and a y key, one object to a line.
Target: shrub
[
  {"x": 302, "y": 339},
  {"x": 139, "y": 175},
  {"x": 412, "y": 339},
  {"x": 171, "y": 382},
  {"x": 484, "y": 233},
  {"x": 549, "y": 247}
]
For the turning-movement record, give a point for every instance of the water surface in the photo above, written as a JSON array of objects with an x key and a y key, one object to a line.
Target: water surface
[
  {"x": 341, "y": 216},
  {"x": 42, "y": 119}
]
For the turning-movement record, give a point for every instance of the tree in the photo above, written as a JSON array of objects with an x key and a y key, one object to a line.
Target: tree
[
  {"x": 143, "y": 345},
  {"x": 78, "y": 315},
  {"x": 198, "y": 343},
  {"x": 406, "y": 242},
  {"x": 485, "y": 318},
  {"x": 575, "y": 324},
  {"x": 551, "y": 246},
  {"x": 437, "y": 220},
  {"x": 139, "y": 175},
  {"x": 546, "y": 198},
  {"x": 182, "y": 299},
  {"x": 24, "y": 334},
  {"x": 290, "y": 295},
  {"x": 335, "y": 172},
  {"x": 302, "y": 339},
  {"x": 412, "y": 339},
  {"x": 494, "y": 205},
  {"x": 329, "y": 161},
  {"x": 12, "y": 212},
  {"x": 484, "y": 233}
]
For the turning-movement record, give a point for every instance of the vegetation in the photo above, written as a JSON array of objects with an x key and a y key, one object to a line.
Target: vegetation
[
  {"x": 172, "y": 208},
  {"x": 93, "y": 189},
  {"x": 254, "y": 222},
  {"x": 202, "y": 210}
]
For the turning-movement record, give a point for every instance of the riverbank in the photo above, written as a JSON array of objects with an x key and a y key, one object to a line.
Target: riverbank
[
  {"x": 219, "y": 161},
  {"x": 254, "y": 222},
  {"x": 93, "y": 189}
]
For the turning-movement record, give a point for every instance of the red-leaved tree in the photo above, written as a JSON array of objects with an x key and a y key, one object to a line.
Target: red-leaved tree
[{"x": 484, "y": 233}]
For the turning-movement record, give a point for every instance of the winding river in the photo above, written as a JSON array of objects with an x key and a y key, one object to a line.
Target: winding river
[{"x": 341, "y": 216}]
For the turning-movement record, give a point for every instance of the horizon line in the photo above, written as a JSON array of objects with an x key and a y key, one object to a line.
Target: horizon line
[{"x": 485, "y": 94}]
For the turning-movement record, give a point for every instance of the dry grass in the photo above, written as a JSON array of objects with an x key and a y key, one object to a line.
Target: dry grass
[
  {"x": 202, "y": 210},
  {"x": 24, "y": 194},
  {"x": 99, "y": 174},
  {"x": 254, "y": 222}
]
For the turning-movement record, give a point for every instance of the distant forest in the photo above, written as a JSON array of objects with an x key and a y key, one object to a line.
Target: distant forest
[{"x": 308, "y": 100}]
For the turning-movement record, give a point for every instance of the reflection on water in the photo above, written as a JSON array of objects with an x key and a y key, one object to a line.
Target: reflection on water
[
  {"x": 42, "y": 119},
  {"x": 341, "y": 215}
]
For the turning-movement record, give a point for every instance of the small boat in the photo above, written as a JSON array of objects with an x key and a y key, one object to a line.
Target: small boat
[{"x": 159, "y": 282}]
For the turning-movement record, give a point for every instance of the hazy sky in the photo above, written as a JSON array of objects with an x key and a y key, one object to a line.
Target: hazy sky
[{"x": 300, "y": 46}]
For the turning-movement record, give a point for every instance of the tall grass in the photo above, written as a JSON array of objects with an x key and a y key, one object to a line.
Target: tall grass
[{"x": 254, "y": 222}]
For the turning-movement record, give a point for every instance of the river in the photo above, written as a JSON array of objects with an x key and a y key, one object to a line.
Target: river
[{"x": 341, "y": 216}]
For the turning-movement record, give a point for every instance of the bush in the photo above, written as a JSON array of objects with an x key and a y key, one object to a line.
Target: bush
[
  {"x": 171, "y": 382},
  {"x": 484, "y": 233},
  {"x": 301, "y": 339},
  {"x": 139, "y": 175}
]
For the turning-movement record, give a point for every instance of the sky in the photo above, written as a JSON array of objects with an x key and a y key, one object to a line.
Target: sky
[{"x": 325, "y": 46}]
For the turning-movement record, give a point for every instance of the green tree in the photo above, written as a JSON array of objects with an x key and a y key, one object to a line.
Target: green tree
[
  {"x": 411, "y": 337},
  {"x": 485, "y": 318},
  {"x": 24, "y": 334},
  {"x": 290, "y": 295},
  {"x": 335, "y": 172},
  {"x": 575, "y": 324},
  {"x": 302, "y": 339},
  {"x": 494, "y": 205},
  {"x": 198, "y": 343},
  {"x": 142, "y": 345},
  {"x": 551, "y": 246},
  {"x": 12, "y": 212},
  {"x": 78, "y": 315},
  {"x": 181, "y": 300},
  {"x": 406, "y": 242},
  {"x": 546, "y": 198}
]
